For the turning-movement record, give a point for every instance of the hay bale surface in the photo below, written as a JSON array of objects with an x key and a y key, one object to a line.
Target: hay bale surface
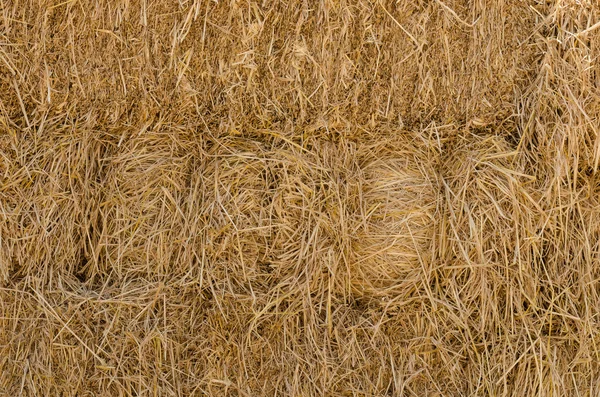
[{"x": 334, "y": 198}]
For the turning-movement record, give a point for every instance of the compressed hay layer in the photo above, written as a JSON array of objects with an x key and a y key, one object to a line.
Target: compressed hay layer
[{"x": 340, "y": 198}]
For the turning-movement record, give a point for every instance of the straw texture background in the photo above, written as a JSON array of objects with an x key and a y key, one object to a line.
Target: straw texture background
[{"x": 299, "y": 198}]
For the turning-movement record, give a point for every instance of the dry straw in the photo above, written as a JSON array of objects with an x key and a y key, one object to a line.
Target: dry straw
[{"x": 299, "y": 198}]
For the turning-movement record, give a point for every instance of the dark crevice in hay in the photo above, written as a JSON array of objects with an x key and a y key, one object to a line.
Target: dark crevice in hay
[
  {"x": 15, "y": 272},
  {"x": 80, "y": 269},
  {"x": 266, "y": 268},
  {"x": 363, "y": 305},
  {"x": 513, "y": 136}
]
